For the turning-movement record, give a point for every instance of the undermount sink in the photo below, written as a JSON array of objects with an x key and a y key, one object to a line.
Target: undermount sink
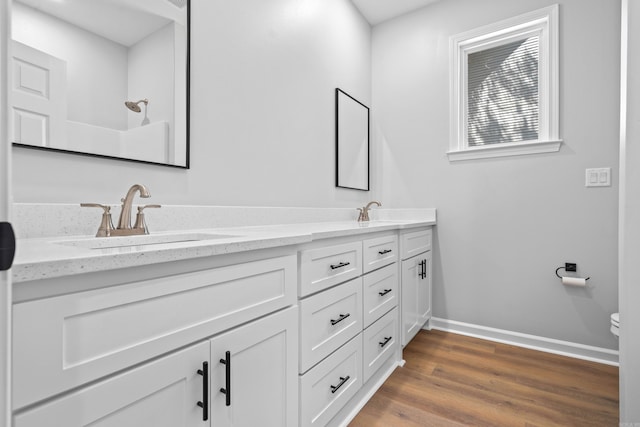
[{"x": 148, "y": 239}]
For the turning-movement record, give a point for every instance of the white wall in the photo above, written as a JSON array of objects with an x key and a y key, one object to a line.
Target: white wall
[
  {"x": 263, "y": 76},
  {"x": 506, "y": 224},
  {"x": 96, "y": 67}
]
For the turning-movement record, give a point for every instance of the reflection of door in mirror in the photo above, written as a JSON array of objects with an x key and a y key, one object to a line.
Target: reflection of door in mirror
[
  {"x": 352, "y": 142},
  {"x": 75, "y": 65}
]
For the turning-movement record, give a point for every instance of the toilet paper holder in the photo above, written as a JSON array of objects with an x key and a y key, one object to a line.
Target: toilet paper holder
[{"x": 568, "y": 266}]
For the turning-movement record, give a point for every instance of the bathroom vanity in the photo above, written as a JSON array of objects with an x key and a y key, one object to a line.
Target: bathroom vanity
[{"x": 275, "y": 326}]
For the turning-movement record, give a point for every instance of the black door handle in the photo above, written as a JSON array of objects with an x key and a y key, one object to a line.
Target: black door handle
[
  {"x": 227, "y": 381},
  {"x": 343, "y": 380},
  {"x": 423, "y": 269},
  {"x": 386, "y": 341},
  {"x": 342, "y": 264},
  {"x": 204, "y": 404},
  {"x": 339, "y": 319}
]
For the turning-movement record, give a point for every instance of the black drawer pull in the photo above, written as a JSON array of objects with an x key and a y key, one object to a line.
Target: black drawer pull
[
  {"x": 204, "y": 404},
  {"x": 386, "y": 251},
  {"x": 342, "y": 264},
  {"x": 340, "y": 319},
  {"x": 383, "y": 293},
  {"x": 385, "y": 342},
  {"x": 343, "y": 380},
  {"x": 227, "y": 386}
]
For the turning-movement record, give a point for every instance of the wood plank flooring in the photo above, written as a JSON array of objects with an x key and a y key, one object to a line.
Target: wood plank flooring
[{"x": 452, "y": 380}]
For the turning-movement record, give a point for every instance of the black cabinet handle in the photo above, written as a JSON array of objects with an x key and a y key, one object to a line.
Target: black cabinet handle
[
  {"x": 204, "y": 404},
  {"x": 386, "y": 341},
  {"x": 342, "y": 264},
  {"x": 343, "y": 380},
  {"x": 339, "y": 319},
  {"x": 383, "y": 293},
  {"x": 385, "y": 251},
  {"x": 423, "y": 269},
  {"x": 227, "y": 381}
]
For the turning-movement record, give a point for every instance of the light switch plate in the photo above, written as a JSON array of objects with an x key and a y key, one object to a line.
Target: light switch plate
[{"x": 598, "y": 177}]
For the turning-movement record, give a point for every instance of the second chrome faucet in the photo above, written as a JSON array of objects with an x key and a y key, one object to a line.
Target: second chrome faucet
[
  {"x": 364, "y": 211},
  {"x": 124, "y": 228}
]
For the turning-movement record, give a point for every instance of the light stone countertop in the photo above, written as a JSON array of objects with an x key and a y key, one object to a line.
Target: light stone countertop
[{"x": 49, "y": 257}]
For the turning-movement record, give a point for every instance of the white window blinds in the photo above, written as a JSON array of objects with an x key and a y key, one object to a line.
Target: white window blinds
[{"x": 502, "y": 98}]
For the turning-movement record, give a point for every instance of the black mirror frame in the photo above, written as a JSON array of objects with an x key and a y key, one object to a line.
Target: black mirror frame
[
  {"x": 188, "y": 120},
  {"x": 338, "y": 91}
]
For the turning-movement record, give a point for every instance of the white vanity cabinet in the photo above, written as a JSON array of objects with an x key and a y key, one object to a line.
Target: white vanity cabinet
[
  {"x": 298, "y": 334},
  {"x": 416, "y": 281},
  {"x": 348, "y": 323},
  {"x": 259, "y": 383},
  {"x": 129, "y": 355}
]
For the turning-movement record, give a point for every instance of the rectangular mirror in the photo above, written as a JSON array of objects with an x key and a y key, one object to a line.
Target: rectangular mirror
[
  {"x": 107, "y": 78},
  {"x": 352, "y": 142}
]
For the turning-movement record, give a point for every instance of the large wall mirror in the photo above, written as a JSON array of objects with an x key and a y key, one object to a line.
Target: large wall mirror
[
  {"x": 352, "y": 142},
  {"x": 106, "y": 78}
]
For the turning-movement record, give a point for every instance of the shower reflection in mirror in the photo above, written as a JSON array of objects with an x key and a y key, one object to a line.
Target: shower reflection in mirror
[
  {"x": 135, "y": 107},
  {"x": 75, "y": 65}
]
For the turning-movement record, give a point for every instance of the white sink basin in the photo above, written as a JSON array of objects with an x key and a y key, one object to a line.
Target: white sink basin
[{"x": 148, "y": 239}]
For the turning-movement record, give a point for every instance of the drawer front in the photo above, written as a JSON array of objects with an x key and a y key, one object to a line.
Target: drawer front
[
  {"x": 326, "y": 388},
  {"x": 380, "y": 341},
  {"x": 325, "y": 267},
  {"x": 65, "y": 341},
  {"x": 328, "y": 320},
  {"x": 379, "y": 252},
  {"x": 415, "y": 243},
  {"x": 380, "y": 293}
]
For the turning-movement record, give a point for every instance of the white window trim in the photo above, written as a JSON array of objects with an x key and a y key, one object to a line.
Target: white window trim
[{"x": 543, "y": 22}]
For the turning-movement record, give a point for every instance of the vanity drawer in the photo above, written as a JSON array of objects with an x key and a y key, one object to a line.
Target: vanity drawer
[
  {"x": 328, "y": 320},
  {"x": 380, "y": 341},
  {"x": 415, "y": 242},
  {"x": 65, "y": 341},
  {"x": 379, "y": 252},
  {"x": 324, "y": 267},
  {"x": 326, "y": 388},
  {"x": 380, "y": 293}
]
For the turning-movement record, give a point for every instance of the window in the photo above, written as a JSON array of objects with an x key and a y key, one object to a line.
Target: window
[{"x": 504, "y": 88}]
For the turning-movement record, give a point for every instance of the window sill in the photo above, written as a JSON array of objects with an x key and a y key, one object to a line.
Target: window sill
[{"x": 504, "y": 150}]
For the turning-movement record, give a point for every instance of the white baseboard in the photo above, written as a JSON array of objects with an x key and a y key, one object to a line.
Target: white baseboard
[{"x": 549, "y": 345}]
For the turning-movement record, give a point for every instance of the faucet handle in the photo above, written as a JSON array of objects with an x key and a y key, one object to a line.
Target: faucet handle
[
  {"x": 141, "y": 208},
  {"x": 140, "y": 222},
  {"x": 106, "y": 225}
]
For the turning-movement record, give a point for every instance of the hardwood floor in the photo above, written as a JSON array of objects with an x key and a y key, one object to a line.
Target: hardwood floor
[{"x": 454, "y": 380}]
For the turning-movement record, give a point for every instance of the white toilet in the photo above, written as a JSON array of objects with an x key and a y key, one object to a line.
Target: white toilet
[{"x": 615, "y": 324}]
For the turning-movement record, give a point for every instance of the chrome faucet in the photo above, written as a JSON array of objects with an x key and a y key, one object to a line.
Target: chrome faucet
[
  {"x": 364, "y": 211},
  {"x": 124, "y": 223}
]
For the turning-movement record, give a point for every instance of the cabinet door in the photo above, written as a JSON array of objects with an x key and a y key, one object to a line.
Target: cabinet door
[
  {"x": 254, "y": 373},
  {"x": 416, "y": 295},
  {"x": 162, "y": 393}
]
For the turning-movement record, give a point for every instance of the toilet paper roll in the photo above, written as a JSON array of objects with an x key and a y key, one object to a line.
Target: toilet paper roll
[{"x": 574, "y": 281}]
